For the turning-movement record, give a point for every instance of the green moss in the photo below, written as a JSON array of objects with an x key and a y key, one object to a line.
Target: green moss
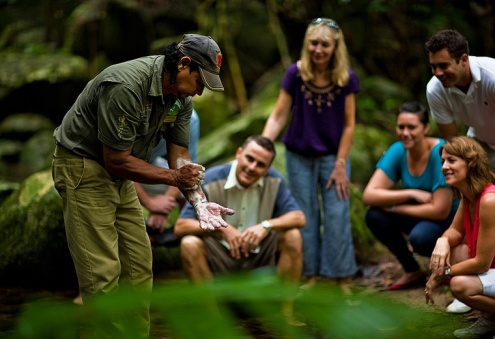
[{"x": 32, "y": 235}]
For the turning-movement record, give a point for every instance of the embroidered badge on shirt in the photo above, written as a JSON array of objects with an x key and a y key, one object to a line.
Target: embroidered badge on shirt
[
  {"x": 172, "y": 113},
  {"x": 121, "y": 126}
]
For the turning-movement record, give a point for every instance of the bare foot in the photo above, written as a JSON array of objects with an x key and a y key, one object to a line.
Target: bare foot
[
  {"x": 310, "y": 283},
  {"x": 288, "y": 314},
  {"x": 345, "y": 285},
  {"x": 408, "y": 279},
  {"x": 78, "y": 300}
]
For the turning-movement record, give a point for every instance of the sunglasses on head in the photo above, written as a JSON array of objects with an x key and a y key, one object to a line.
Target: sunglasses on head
[{"x": 329, "y": 22}]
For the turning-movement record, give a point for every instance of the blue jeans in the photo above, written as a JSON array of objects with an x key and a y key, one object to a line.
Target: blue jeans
[
  {"x": 327, "y": 239},
  {"x": 389, "y": 228}
]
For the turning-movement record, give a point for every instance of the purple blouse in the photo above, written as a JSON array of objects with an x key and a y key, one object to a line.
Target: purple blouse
[{"x": 318, "y": 114}]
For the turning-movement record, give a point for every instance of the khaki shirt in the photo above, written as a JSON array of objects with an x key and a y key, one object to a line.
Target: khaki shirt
[{"x": 123, "y": 107}]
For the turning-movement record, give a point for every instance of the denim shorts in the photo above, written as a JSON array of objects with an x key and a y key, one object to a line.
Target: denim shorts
[{"x": 488, "y": 282}]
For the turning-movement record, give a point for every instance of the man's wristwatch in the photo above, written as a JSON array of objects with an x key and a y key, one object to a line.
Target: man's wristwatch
[
  {"x": 447, "y": 272},
  {"x": 266, "y": 225}
]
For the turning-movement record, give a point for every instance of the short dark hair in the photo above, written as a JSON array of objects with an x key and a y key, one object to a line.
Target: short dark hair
[
  {"x": 172, "y": 57},
  {"x": 455, "y": 42},
  {"x": 415, "y": 108},
  {"x": 263, "y": 142}
]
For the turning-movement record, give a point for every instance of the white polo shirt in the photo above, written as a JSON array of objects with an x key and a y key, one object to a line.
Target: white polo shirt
[{"x": 476, "y": 108}]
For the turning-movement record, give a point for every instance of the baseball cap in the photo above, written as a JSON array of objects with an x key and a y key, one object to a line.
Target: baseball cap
[{"x": 204, "y": 51}]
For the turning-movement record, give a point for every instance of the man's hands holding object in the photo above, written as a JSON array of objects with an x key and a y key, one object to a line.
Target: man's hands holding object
[
  {"x": 189, "y": 179},
  {"x": 189, "y": 176}
]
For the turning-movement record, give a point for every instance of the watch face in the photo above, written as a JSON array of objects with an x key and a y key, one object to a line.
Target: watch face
[{"x": 266, "y": 224}]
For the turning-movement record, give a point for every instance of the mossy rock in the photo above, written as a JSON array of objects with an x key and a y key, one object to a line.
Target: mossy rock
[
  {"x": 33, "y": 246},
  {"x": 37, "y": 153},
  {"x": 6, "y": 189},
  {"x": 22, "y": 126},
  {"x": 10, "y": 149},
  {"x": 19, "y": 69}
]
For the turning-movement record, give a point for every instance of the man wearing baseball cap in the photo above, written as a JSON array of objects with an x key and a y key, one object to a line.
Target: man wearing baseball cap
[
  {"x": 103, "y": 145},
  {"x": 206, "y": 53}
]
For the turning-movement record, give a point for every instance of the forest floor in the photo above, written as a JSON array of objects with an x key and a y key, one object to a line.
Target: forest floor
[{"x": 371, "y": 278}]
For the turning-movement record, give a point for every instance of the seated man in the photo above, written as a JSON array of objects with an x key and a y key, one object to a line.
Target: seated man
[{"x": 267, "y": 221}]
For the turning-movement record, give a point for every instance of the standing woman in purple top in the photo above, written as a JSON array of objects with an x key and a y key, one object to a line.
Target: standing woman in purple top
[{"x": 317, "y": 96}]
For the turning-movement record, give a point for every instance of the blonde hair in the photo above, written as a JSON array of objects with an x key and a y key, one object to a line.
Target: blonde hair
[
  {"x": 478, "y": 171},
  {"x": 339, "y": 62}
]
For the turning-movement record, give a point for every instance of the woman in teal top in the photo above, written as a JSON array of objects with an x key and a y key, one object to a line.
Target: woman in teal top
[{"x": 422, "y": 207}]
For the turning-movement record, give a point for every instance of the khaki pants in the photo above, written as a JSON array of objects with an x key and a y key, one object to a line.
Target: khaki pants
[
  {"x": 221, "y": 261},
  {"x": 105, "y": 230}
]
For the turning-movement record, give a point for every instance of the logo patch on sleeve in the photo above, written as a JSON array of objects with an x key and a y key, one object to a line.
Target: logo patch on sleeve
[
  {"x": 121, "y": 126},
  {"x": 172, "y": 113}
]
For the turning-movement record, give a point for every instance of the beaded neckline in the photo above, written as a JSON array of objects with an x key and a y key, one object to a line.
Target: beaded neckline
[
  {"x": 319, "y": 96},
  {"x": 318, "y": 90}
]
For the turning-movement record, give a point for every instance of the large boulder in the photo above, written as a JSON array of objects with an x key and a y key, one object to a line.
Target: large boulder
[
  {"x": 33, "y": 246},
  {"x": 37, "y": 152},
  {"x": 6, "y": 188},
  {"x": 22, "y": 126},
  {"x": 26, "y": 145}
]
